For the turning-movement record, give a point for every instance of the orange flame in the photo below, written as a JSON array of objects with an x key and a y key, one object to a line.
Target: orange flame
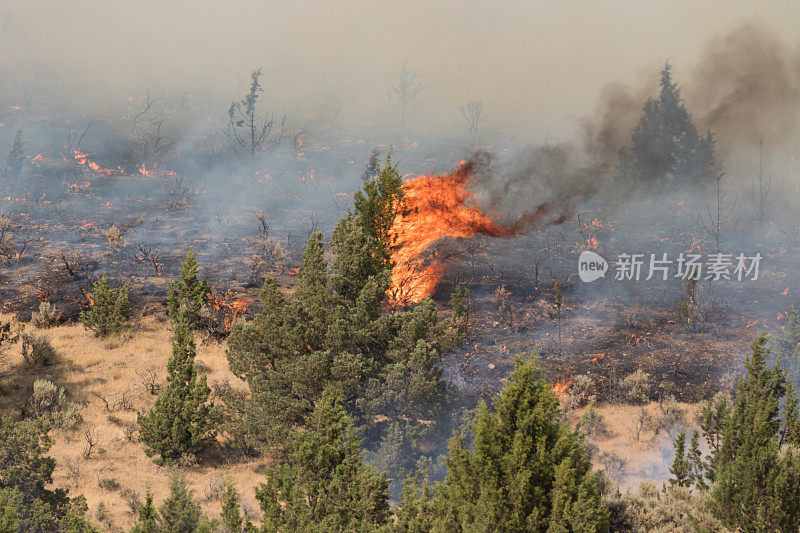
[
  {"x": 82, "y": 159},
  {"x": 560, "y": 388},
  {"x": 433, "y": 208}
]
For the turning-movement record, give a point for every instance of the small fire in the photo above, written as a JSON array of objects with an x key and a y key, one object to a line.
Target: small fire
[
  {"x": 82, "y": 159},
  {"x": 560, "y": 388},
  {"x": 433, "y": 208}
]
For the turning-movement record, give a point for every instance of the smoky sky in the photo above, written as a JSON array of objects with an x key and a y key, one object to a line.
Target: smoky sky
[{"x": 537, "y": 66}]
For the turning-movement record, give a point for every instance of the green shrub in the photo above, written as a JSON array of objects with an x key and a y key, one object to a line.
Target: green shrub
[
  {"x": 109, "y": 484},
  {"x": 109, "y": 311}
]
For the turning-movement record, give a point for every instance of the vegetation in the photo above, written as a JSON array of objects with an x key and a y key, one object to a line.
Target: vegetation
[
  {"x": 324, "y": 484},
  {"x": 332, "y": 334},
  {"x": 109, "y": 309},
  {"x": 524, "y": 471},
  {"x": 754, "y": 453},
  {"x": 26, "y": 504},
  {"x": 187, "y": 293},
  {"x": 666, "y": 148},
  {"x": 179, "y": 422}
]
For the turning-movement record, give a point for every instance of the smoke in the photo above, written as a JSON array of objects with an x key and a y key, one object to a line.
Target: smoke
[{"x": 745, "y": 86}]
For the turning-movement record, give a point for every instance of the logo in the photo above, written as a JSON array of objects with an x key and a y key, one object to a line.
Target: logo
[{"x": 591, "y": 266}]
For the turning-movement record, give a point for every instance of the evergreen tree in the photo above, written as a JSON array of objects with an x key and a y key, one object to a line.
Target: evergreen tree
[
  {"x": 666, "y": 145},
  {"x": 147, "y": 521},
  {"x": 375, "y": 207},
  {"x": 681, "y": 468},
  {"x": 324, "y": 485},
  {"x": 695, "y": 459},
  {"x": 26, "y": 504},
  {"x": 15, "y": 160},
  {"x": 179, "y": 421},
  {"x": 526, "y": 471},
  {"x": 179, "y": 512},
  {"x": 231, "y": 515},
  {"x": 415, "y": 514},
  {"x": 109, "y": 310},
  {"x": 787, "y": 347},
  {"x": 187, "y": 292},
  {"x": 754, "y": 461},
  {"x": 752, "y": 466}
]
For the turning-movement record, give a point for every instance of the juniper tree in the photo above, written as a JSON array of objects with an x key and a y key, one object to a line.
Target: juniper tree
[
  {"x": 26, "y": 502},
  {"x": 15, "y": 160},
  {"x": 754, "y": 452},
  {"x": 525, "y": 470},
  {"x": 666, "y": 146},
  {"x": 681, "y": 468},
  {"x": 324, "y": 483},
  {"x": 248, "y": 130},
  {"x": 109, "y": 309},
  {"x": 231, "y": 514},
  {"x": 179, "y": 512},
  {"x": 787, "y": 347},
  {"x": 179, "y": 422},
  {"x": 147, "y": 521},
  {"x": 188, "y": 292}
]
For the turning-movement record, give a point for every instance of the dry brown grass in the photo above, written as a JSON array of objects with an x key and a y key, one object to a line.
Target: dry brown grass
[
  {"x": 650, "y": 457},
  {"x": 91, "y": 368}
]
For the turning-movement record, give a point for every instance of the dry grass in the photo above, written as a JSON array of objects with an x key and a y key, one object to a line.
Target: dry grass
[
  {"x": 650, "y": 457},
  {"x": 91, "y": 369}
]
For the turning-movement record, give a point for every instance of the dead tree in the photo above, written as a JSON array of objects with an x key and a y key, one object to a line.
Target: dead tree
[
  {"x": 405, "y": 92},
  {"x": 248, "y": 131},
  {"x": 762, "y": 192},
  {"x": 716, "y": 218},
  {"x": 472, "y": 114},
  {"x": 148, "y": 254}
]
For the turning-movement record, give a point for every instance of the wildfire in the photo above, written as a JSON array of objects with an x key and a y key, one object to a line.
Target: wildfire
[
  {"x": 82, "y": 159},
  {"x": 560, "y": 388},
  {"x": 433, "y": 208}
]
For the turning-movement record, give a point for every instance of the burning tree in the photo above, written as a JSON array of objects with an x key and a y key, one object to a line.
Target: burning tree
[{"x": 248, "y": 130}]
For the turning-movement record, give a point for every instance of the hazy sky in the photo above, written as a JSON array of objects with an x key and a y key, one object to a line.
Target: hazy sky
[{"x": 532, "y": 62}]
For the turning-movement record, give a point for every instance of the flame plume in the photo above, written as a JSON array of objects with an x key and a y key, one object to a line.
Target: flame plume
[{"x": 433, "y": 208}]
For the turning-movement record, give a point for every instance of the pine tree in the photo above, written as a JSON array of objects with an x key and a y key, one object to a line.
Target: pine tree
[
  {"x": 147, "y": 521},
  {"x": 187, "y": 292},
  {"x": 681, "y": 468},
  {"x": 525, "y": 472},
  {"x": 15, "y": 159},
  {"x": 757, "y": 479},
  {"x": 787, "y": 347},
  {"x": 179, "y": 512},
  {"x": 375, "y": 207},
  {"x": 695, "y": 459},
  {"x": 109, "y": 310},
  {"x": 324, "y": 484},
  {"x": 415, "y": 514},
  {"x": 26, "y": 502},
  {"x": 666, "y": 145},
  {"x": 231, "y": 515},
  {"x": 179, "y": 421}
]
